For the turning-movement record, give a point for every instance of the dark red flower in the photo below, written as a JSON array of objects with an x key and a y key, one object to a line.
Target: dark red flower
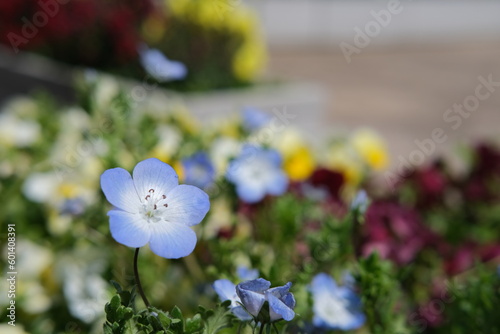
[
  {"x": 396, "y": 232},
  {"x": 329, "y": 180}
]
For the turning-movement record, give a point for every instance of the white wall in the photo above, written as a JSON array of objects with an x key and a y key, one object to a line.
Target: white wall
[{"x": 330, "y": 22}]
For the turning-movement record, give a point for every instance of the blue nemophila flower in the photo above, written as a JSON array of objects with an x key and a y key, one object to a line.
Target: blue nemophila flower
[
  {"x": 152, "y": 207},
  {"x": 335, "y": 307},
  {"x": 257, "y": 172},
  {"x": 254, "y": 119},
  {"x": 198, "y": 170},
  {"x": 160, "y": 67},
  {"x": 253, "y": 294},
  {"x": 227, "y": 291},
  {"x": 247, "y": 274},
  {"x": 360, "y": 202}
]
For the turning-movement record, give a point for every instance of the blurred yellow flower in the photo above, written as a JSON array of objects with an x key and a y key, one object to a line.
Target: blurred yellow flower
[
  {"x": 249, "y": 59},
  {"x": 243, "y": 22},
  {"x": 300, "y": 164},
  {"x": 185, "y": 120},
  {"x": 371, "y": 148},
  {"x": 153, "y": 29},
  {"x": 178, "y": 7},
  {"x": 342, "y": 158},
  {"x": 177, "y": 165},
  {"x": 67, "y": 190}
]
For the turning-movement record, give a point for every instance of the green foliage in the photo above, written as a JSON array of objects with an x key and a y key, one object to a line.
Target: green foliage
[
  {"x": 474, "y": 304},
  {"x": 122, "y": 318},
  {"x": 380, "y": 293}
]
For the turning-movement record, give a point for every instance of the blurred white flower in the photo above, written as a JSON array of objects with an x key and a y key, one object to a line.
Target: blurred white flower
[
  {"x": 288, "y": 140},
  {"x": 8, "y": 329},
  {"x": 17, "y": 132},
  {"x": 67, "y": 191},
  {"x": 23, "y": 106},
  {"x": 169, "y": 139},
  {"x": 84, "y": 289},
  {"x": 106, "y": 89},
  {"x": 39, "y": 187},
  {"x": 32, "y": 259},
  {"x": 223, "y": 149},
  {"x": 37, "y": 300}
]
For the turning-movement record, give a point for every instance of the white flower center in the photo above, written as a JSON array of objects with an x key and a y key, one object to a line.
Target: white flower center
[{"x": 153, "y": 206}]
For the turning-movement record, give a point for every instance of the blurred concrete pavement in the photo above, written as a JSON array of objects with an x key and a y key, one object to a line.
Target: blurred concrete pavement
[{"x": 402, "y": 91}]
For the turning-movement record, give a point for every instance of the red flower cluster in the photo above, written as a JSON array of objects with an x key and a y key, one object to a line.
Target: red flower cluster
[
  {"x": 81, "y": 32},
  {"x": 395, "y": 232}
]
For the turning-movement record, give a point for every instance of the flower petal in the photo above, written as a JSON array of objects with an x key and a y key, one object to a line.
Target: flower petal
[
  {"x": 187, "y": 205},
  {"x": 246, "y": 274},
  {"x": 273, "y": 157},
  {"x": 323, "y": 283},
  {"x": 172, "y": 240},
  {"x": 226, "y": 290},
  {"x": 240, "y": 312},
  {"x": 278, "y": 184},
  {"x": 128, "y": 229},
  {"x": 119, "y": 189},
  {"x": 280, "y": 291},
  {"x": 251, "y": 192},
  {"x": 251, "y": 294},
  {"x": 281, "y": 308},
  {"x": 154, "y": 174}
]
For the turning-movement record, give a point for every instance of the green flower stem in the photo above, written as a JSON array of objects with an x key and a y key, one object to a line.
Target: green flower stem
[{"x": 138, "y": 280}]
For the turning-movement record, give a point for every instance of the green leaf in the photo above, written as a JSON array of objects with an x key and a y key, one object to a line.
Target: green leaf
[
  {"x": 117, "y": 286},
  {"x": 176, "y": 313},
  {"x": 115, "y": 302},
  {"x": 164, "y": 319},
  {"x": 193, "y": 324},
  {"x": 219, "y": 319}
]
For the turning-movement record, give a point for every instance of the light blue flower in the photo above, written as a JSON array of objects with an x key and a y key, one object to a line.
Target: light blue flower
[
  {"x": 198, "y": 170},
  {"x": 73, "y": 206},
  {"x": 257, "y": 172},
  {"x": 360, "y": 202},
  {"x": 281, "y": 303},
  {"x": 254, "y": 119},
  {"x": 247, "y": 274},
  {"x": 227, "y": 291},
  {"x": 153, "y": 208},
  {"x": 253, "y": 294},
  {"x": 160, "y": 67},
  {"x": 335, "y": 307}
]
